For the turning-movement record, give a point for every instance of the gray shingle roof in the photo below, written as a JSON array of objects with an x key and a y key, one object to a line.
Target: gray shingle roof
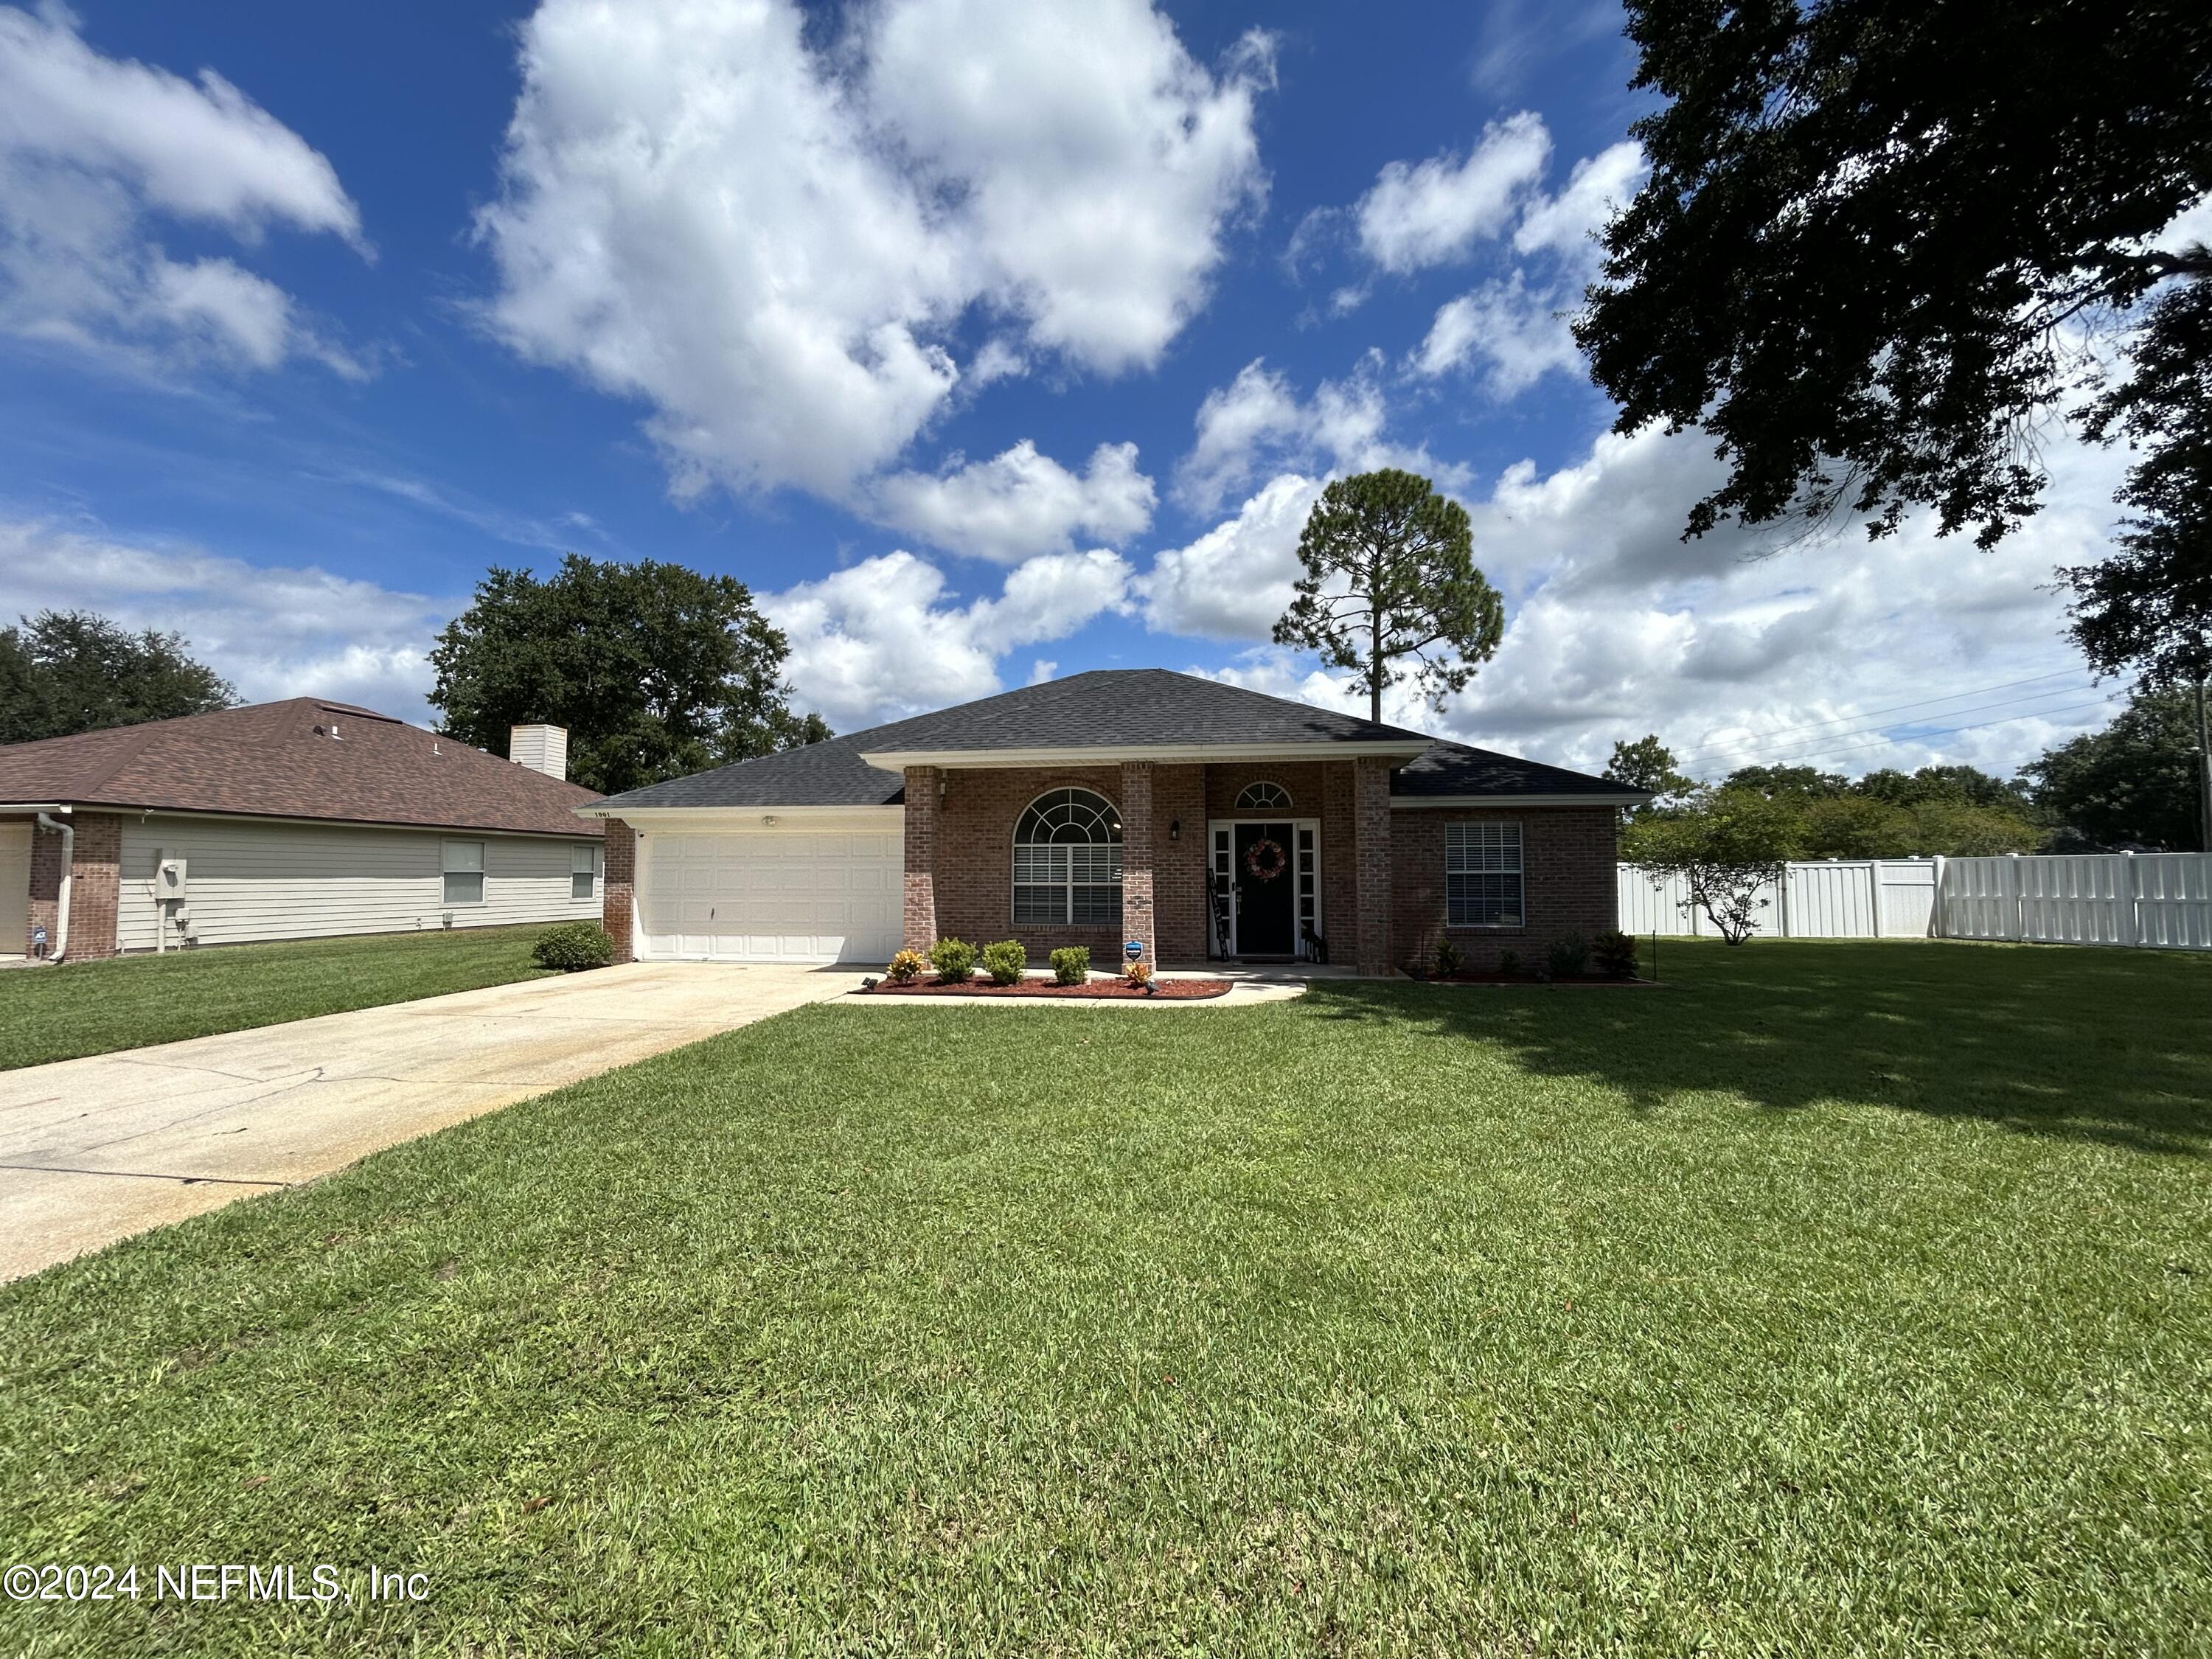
[
  {"x": 1453, "y": 768},
  {"x": 830, "y": 773},
  {"x": 1105, "y": 709},
  {"x": 1126, "y": 707}
]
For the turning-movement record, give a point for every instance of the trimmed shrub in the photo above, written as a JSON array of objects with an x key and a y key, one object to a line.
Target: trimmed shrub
[
  {"x": 1508, "y": 965},
  {"x": 1071, "y": 964},
  {"x": 1616, "y": 955},
  {"x": 573, "y": 946},
  {"x": 1449, "y": 960},
  {"x": 906, "y": 967},
  {"x": 1569, "y": 957},
  {"x": 954, "y": 960},
  {"x": 1004, "y": 960}
]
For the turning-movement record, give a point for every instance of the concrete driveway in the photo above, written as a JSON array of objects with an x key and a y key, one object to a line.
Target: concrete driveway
[{"x": 92, "y": 1151}]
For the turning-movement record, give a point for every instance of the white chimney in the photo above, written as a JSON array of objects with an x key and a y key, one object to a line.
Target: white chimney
[{"x": 541, "y": 748}]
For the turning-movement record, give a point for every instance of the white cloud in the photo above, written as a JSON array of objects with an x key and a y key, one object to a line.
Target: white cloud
[
  {"x": 772, "y": 242},
  {"x": 1521, "y": 335},
  {"x": 1515, "y": 327},
  {"x": 93, "y": 150},
  {"x": 1598, "y": 188},
  {"x": 271, "y": 631},
  {"x": 2192, "y": 226},
  {"x": 1257, "y": 424},
  {"x": 1233, "y": 581},
  {"x": 1095, "y": 159},
  {"x": 1432, "y": 212},
  {"x": 1516, "y": 36},
  {"x": 1728, "y": 647},
  {"x": 1020, "y": 504},
  {"x": 1255, "y": 416},
  {"x": 883, "y": 639}
]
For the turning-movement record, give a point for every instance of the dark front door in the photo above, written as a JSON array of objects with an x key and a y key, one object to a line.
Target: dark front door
[{"x": 1266, "y": 889}]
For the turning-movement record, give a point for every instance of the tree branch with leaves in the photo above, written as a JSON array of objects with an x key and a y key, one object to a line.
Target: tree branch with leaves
[
  {"x": 1390, "y": 579},
  {"x": 656, "y": 670}
]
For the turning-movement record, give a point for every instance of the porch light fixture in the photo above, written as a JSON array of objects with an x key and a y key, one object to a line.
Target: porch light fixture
[{"x": 1174, "y": 829}]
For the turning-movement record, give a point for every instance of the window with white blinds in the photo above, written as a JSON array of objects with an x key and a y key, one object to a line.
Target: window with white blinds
[
  {"x": 1482, "y": 875},
  {"x": 463, "y": 867},
  {"x": 1067, "y": 861}
]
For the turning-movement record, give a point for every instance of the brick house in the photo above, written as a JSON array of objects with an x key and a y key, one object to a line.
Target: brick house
[
  {"x": 283, "y": 820},
  {"x": 1194, "y": 819}
]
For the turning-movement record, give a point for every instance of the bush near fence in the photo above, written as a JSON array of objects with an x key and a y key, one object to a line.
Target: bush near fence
[{"x": 2161, "y": 900}]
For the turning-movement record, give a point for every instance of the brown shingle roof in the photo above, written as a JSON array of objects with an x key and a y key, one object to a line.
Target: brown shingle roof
[{"x": 280, "y": 760}]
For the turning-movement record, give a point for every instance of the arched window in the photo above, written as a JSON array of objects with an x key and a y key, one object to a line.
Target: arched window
[
  {"x": 1068, "y": 860},
  {"x": 1264, "y": 797}
]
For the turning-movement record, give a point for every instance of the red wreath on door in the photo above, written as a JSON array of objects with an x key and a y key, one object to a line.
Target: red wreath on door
[{"x": 1277, "y": 860}]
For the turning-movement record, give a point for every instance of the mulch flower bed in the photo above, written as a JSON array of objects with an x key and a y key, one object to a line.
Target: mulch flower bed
[{"x": 1167, "y": 990}]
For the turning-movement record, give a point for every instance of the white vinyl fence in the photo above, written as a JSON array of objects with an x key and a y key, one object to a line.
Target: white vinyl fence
[{"x": 2160, "y": 900}]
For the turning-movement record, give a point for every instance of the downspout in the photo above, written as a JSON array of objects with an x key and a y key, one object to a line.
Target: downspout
[{"x": 67, "y": 833}]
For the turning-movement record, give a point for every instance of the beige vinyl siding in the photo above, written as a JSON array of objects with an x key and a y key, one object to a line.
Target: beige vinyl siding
[
  {"x": 15, "y": 886},
  {"x": 254, "y": 881}
]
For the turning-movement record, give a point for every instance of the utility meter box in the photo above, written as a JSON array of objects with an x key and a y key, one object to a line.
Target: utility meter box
[{"x": 169, "y": 877}]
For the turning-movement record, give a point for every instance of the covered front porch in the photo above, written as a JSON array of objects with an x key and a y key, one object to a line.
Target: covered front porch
[{"x": 1267, "y": 861}]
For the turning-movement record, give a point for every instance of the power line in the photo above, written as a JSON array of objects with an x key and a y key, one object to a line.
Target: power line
[
  {"x": 1890, "y": 708},
  {"x": 2105, "y": 701},
  {"x": 1758, "y": 745}
]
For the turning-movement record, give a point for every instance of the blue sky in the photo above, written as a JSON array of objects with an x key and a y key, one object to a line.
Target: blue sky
[{"x": 983, "y": 340}]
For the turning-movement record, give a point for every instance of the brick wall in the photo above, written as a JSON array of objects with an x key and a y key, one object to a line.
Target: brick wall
[
  {"x": 618, "y": 892},
  {"x": 1180, "y": 910},
  {"x": 1139, "y": 836},
  {"x": 923, "y": 812},
  {"x": 1567, "y": 859},
  {"x": 967, "y": 859},
  {"x": 969, "y": 852},
  {"x": 1371, "y": 853},
  {"x": 95, "y": 886}
]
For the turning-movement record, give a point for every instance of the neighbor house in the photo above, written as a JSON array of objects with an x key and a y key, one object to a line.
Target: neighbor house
[
  {"x": 1193, "y": 818},
  {"x": 284, "y": 820}
]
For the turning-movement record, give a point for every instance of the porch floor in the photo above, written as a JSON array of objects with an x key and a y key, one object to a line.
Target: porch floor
[{"x": 1289, "y": 972}]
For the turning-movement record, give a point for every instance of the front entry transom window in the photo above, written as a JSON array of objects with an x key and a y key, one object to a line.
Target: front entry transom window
[
  {"x": 1263, "y": 797},
  {"x": 1067, "y": 861}
]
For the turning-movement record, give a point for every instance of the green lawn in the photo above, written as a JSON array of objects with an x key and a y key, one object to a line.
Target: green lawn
[
  {"x": 126, "y": 1002},
  {"x": 1836, "y": 1299}
]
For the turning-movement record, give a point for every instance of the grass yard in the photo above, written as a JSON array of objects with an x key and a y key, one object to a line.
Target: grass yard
[
  {"x": 127, "y": 1002},
  {"x": 1848, "y": 1298}
]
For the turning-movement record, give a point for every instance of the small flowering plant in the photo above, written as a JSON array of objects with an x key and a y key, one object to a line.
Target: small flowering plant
[
  {"x": 1141, "y": 974},
  {"x": 906, "y": 967}
]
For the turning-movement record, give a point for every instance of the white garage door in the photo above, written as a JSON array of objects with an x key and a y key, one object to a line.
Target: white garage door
[{"x": 784, "y": 896}]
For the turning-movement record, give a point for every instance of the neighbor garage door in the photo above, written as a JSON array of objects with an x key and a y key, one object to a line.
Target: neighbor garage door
[
  {"x": 783, "y": 896},
  {"x": 15, "y": 886}
]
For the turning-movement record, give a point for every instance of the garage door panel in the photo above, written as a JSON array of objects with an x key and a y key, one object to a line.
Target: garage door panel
[{"x": 772, "y": 897}]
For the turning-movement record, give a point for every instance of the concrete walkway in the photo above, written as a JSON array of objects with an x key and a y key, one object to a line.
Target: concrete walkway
[{"x": 94, "y": 1150}]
